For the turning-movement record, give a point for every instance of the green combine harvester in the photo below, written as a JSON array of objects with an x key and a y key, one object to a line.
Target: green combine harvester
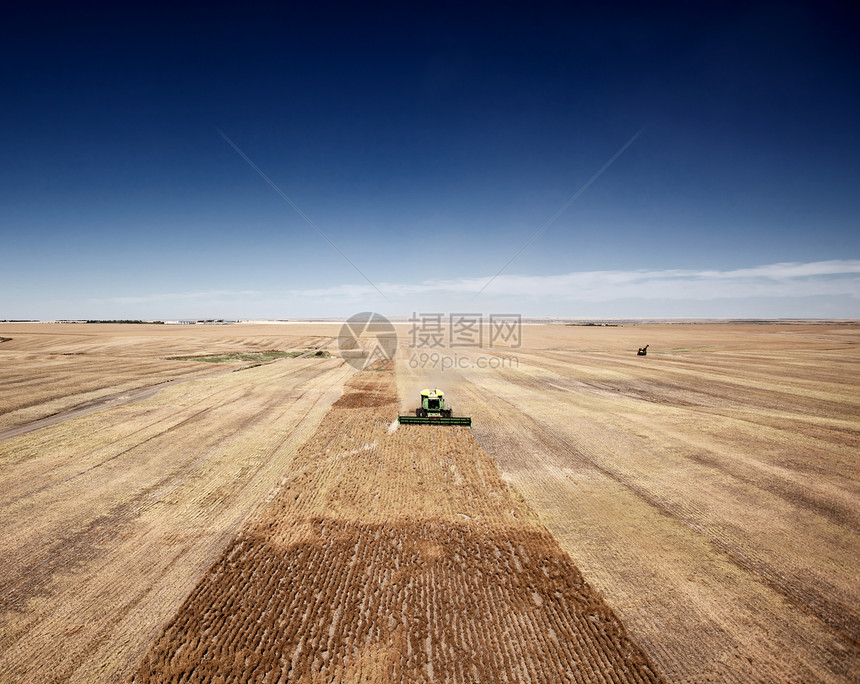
[{"x": 434, "y": 411}]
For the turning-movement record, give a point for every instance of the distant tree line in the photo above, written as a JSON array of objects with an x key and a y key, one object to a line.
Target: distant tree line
[{"x": 126, "y": 321}]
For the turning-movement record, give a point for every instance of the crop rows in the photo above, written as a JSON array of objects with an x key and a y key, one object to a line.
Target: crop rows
[
  {"x": 108, "y": 521},
  {"x": 709, "y": 492},
  {"x": 424, "y": 601},
  {"x": 393, "y": 555},
  {"x": 48, "y": 368}
]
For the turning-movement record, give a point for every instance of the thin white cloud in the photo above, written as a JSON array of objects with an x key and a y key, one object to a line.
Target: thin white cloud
[
  {"x": 181, "y": 296},
  {"x": 840, "y": 277},
  {"x": 835, "y": 277}
]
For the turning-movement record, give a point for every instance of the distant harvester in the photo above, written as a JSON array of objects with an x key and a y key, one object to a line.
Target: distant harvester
[{"x": 643, "y": 351}]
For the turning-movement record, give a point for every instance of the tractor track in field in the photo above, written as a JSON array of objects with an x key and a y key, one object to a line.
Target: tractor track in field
[
  {"x": 122, "y": 398},
  {"x": 196, "y": 416},
  {"x": 28, "y": 578},
  {"x": 110, "y": 401},
  {"x": 38, "y": 490},
  {"x": 85, "y": 544}
]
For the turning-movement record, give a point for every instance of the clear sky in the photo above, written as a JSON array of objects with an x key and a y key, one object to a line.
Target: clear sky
[{"x": 429, "y": 143}]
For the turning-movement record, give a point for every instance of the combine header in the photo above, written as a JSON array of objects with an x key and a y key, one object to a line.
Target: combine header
[{"x": 434, "y": 411}]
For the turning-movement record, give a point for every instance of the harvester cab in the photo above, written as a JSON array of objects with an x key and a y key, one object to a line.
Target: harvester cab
[{"x": 434, "y": 410}]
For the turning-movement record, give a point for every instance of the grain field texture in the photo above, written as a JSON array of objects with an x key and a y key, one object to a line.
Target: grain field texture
[
  {"x": 688, "y": 516},
  {"x": 48, "y": 368},
  {"x": 709, "y": 490},
  {"x": 393, "y": 555},
  {"x": 108, "y": 520}
]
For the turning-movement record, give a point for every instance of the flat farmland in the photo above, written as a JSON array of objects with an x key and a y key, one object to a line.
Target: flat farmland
[
  {"x": 708, "y": 490},
  {"x": 51, "y": 367},
  {"x": 393, "y": 554},
  {"x": 687, "y": 516},
  {"x": 108, "y": 519}
]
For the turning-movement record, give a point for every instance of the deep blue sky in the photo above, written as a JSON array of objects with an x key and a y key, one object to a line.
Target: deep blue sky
[{"x": 429, "y": 143}]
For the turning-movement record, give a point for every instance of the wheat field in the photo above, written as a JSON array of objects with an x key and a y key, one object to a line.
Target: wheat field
[{"x": 686, "y": 516}]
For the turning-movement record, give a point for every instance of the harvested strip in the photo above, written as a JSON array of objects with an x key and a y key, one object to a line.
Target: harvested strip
[{"x": 393, "y": 556}]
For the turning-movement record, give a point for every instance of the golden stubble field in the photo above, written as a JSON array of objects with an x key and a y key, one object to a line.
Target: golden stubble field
[
  {"x": 107, "y": 520},
  {"x": 690, "y": 515},
  {"x": 393, "y": 555},
  {"x": 708, "y": 490},
  {"x": 50, "y": 367}
]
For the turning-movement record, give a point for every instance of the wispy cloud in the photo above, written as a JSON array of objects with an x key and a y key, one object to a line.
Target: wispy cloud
[
  {"x": 838, "y": 277},
  {"x": 194, "y": 295}
]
